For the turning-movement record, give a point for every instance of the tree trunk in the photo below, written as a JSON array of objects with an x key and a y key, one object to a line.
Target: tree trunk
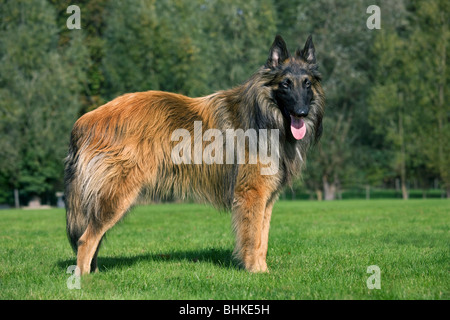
[
  {"x": 319, "y": 194},
  {"x": 402, "y": 149},
  {"x": 16, "y": 198},
  {"x": 405, "y": 194},
  {"x": 329, "y": 189},
  {"x": 443, "y": 164}
]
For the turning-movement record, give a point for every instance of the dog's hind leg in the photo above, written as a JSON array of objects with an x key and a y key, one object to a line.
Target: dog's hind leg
[
  {"x": 94, "y": 265},
  {"x": 111, "y": 207},
  {"x": 88, "y": 245}
]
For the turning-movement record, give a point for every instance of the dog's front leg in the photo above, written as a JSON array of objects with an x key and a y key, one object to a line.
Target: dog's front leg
[{"x": 250, "y": 224}]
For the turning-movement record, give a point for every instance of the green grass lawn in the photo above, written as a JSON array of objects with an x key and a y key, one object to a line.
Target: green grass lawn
[{"x": 317, "y": 250}]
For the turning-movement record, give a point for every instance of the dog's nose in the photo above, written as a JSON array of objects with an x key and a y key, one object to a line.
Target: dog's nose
[{"x": 302, "y": 112}]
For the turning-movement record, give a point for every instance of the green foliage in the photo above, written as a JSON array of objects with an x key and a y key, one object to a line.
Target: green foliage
[
  {"x": 39, "y": 95},
  {"x": 177, "y": 46},
  {"x": 236, "y": 39},
  {"x": 431, "y": 30},
  {"x": 386, "y": 90},
  {"x": 408, "y": 100}
]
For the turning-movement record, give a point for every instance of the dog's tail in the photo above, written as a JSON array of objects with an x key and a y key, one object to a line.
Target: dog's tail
[{"x": 76, "y": 217}]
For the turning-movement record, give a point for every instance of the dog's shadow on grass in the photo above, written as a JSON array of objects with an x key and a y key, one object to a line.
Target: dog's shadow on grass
[{"x": 219, "y": 257}]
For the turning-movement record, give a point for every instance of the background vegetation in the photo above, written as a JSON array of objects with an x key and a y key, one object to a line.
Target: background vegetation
[{"x": 387, "y": 121}]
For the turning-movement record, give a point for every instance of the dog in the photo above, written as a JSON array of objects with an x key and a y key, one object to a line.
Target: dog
[{"x": 127, "y": 146}]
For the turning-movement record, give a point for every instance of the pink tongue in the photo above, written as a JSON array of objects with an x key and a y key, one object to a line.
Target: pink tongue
[{"x": 298, "y": 128}]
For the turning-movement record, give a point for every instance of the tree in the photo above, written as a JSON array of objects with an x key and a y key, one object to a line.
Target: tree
[
  {"x": 431, "y": 30},
  {"x": 93, "y": 25},
  {"x": 156, "y": 49},
  {"x": 408, "y": 99},
  {"x": 193, "y": 48},
  {"x": 389, "y": 99},
  {"x": 39, "y": 102},
  {"x": 235, "y": 39}
]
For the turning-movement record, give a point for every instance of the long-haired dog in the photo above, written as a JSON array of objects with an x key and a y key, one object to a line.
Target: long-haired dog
[{"x": 127, "y": 146}]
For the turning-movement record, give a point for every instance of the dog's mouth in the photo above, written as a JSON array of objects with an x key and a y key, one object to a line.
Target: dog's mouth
[{"x": 298, "y": 127}]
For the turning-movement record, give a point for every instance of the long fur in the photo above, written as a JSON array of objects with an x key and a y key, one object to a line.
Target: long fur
[{"x": 123, "y": 148}]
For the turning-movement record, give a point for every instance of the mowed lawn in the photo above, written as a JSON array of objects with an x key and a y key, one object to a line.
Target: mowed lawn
[{"x": 317, "y": 250}]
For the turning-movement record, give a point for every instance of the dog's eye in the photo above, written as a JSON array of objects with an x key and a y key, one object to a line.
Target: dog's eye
[
  {"x": 285, "y": 84},
  {"x": 307, "y": 83}
]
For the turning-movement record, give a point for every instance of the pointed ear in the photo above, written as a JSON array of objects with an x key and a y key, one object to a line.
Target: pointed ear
[
  {"x": 308, "y": 53},
  {"x": 278, "y": 53}
]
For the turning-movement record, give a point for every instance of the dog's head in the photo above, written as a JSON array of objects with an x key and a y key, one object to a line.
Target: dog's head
[{"x": 296, "y": 89}]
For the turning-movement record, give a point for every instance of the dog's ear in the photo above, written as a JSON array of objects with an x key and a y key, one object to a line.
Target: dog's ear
[
  {"x": 308, "y": 53},
  {"x": 278, "y": 53}
]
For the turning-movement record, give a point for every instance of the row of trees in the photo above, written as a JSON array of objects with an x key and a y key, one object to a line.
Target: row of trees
[{"x": 387, "y": 114}]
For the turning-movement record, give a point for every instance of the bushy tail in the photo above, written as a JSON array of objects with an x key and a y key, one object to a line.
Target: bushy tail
[
  {"x": 76, "y": 219},
  {"x": 76, "y": 225}
]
